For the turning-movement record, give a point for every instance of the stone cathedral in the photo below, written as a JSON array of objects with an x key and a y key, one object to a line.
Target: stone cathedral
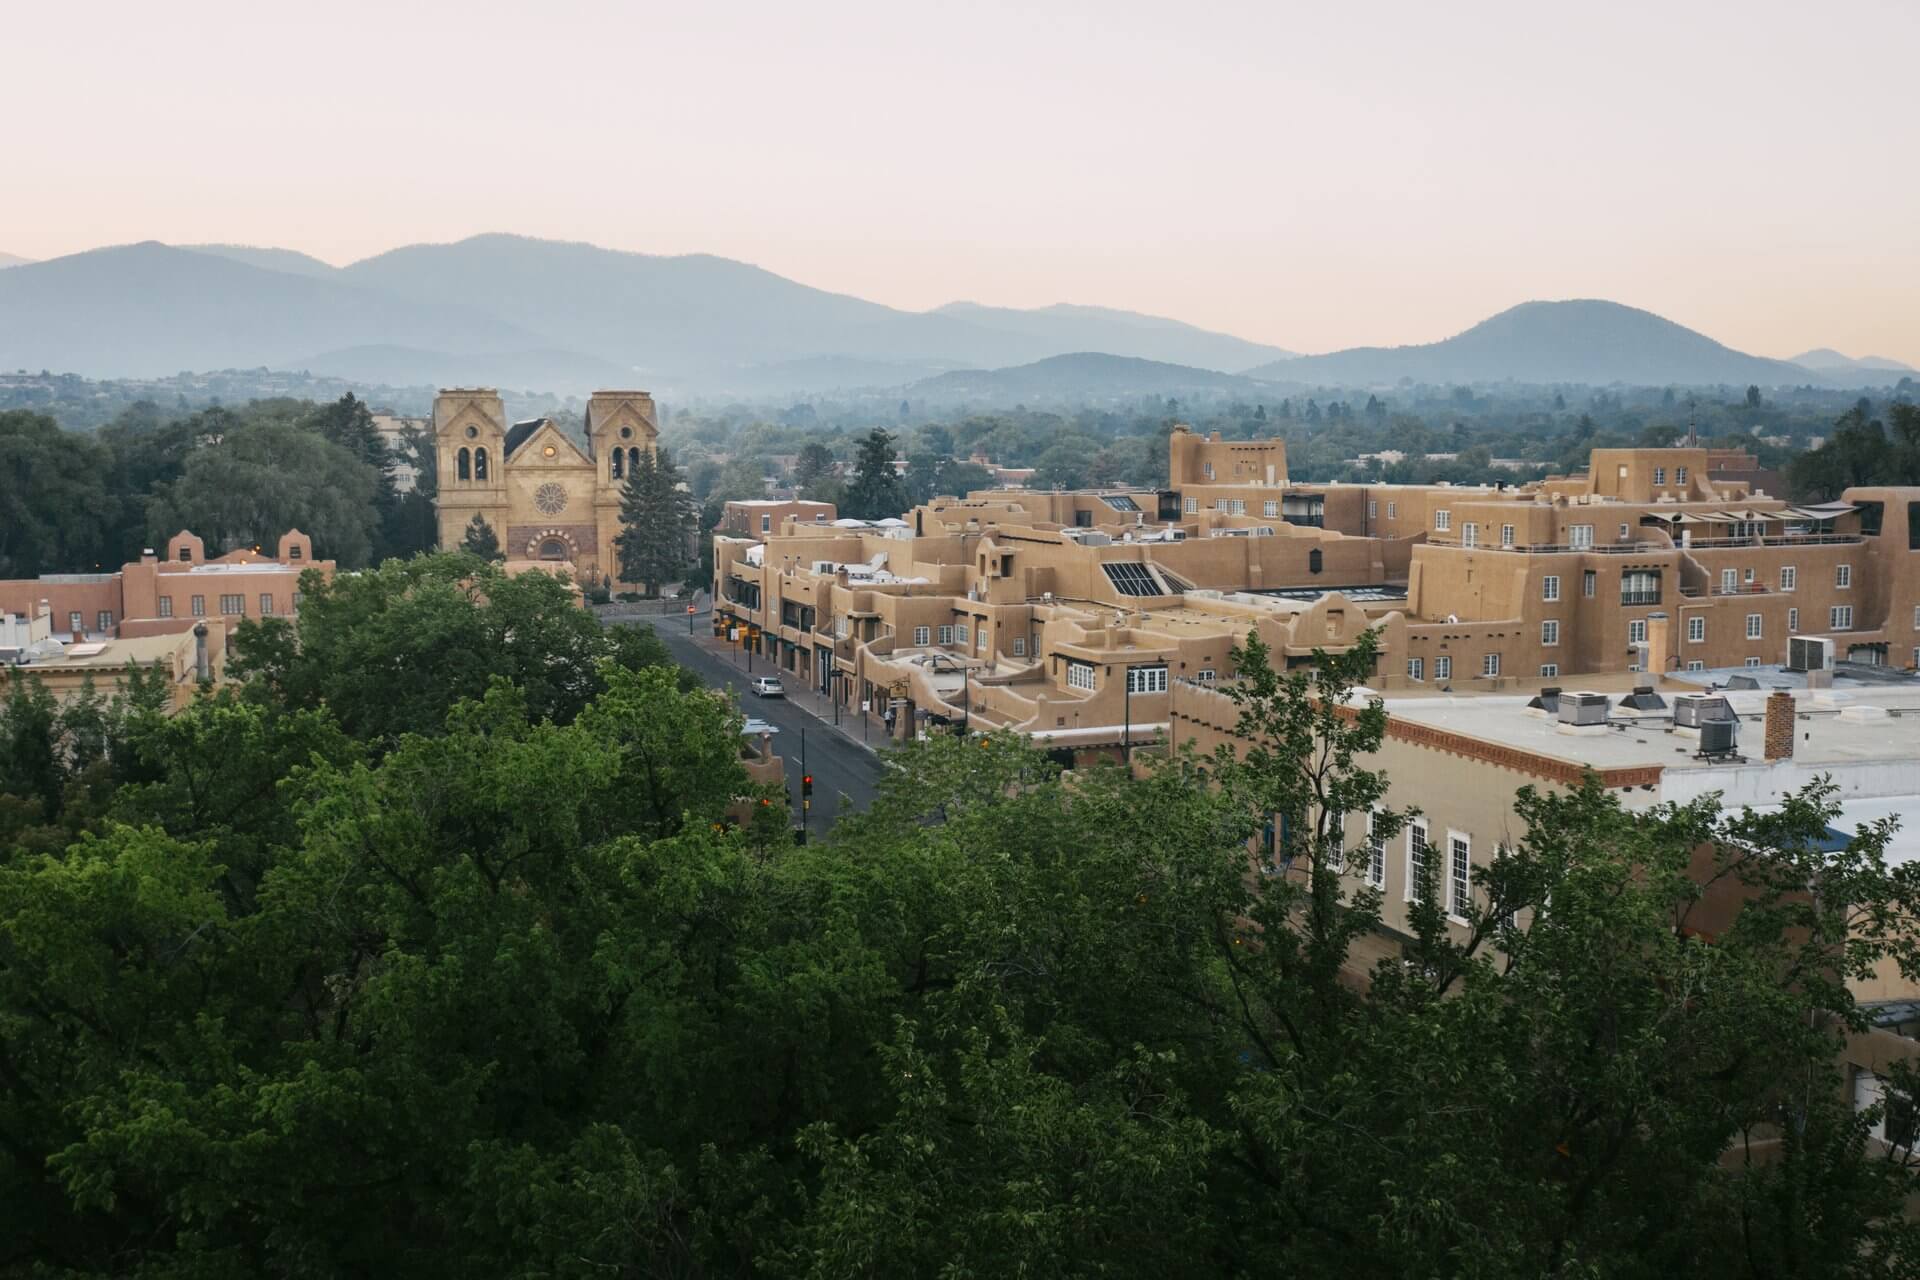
[{"x": 549, "y": 493}]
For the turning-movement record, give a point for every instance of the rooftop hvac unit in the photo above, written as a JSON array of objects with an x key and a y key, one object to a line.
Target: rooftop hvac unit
[
  {"x": 1809, "y": 653},
  {"x": 1691, "y": 710},
  {"x": 1717, "y": 737},
  {"x": 1583, "y": 708},
  {"x": 1547, "y": 700},
  {"x": 1643, "y": 698}
]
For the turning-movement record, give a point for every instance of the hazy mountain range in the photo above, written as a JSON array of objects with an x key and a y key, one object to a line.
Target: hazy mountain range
[
  {"x": 13, "y": 260},
  {"x": 522, "y": 313}
]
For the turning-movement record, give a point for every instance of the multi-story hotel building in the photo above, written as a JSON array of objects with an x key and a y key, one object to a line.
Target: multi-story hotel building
[{"x": 1068, "y": 615}]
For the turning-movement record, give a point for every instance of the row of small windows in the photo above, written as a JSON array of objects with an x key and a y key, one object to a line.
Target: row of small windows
[
  {"x": 231, "y": 605},
  {"x": 470, "y": 464},
  {"x": 1457, "y": 879}
]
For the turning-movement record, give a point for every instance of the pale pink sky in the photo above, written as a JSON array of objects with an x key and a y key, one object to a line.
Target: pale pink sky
[{"x": 1309, "y": 174}]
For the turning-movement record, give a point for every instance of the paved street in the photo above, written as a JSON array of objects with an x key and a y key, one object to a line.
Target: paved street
[{"x": 841, "y": 766}]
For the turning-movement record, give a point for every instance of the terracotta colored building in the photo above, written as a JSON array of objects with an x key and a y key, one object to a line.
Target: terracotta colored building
[{"x": 166, "y": 594}]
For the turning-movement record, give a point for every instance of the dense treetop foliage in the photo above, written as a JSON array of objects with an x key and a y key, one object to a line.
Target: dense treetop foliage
[
  {"x": 238, "y": 478},
  {"x": 430, "y": 949}
]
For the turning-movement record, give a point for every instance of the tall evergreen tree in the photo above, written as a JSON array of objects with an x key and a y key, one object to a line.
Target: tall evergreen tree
[
  {"x": 658, "y": 522},
  {"x": 481, "y": 540},
  {"x": 876, "y": 490}
]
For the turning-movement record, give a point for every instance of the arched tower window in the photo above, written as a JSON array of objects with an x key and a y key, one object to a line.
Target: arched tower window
[
  {"x": 479, "y": 464},
  {"x": 618, "y": 457},
  {"x": 463, "y": 465},
  {"x": 633, "y": 460}
]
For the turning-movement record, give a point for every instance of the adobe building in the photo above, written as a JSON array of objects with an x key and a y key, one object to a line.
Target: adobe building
[
  {"x": 166, "y": 594},
  {"x": 187, "y": 660},
  {"x": 549, "y": 492},
  {"x": 1068, "y": 615}
]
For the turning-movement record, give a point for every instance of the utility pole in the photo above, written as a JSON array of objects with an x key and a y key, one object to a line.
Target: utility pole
[
  {"x": 806, "y": 790},
  {"x": 1126, "y": 717}
]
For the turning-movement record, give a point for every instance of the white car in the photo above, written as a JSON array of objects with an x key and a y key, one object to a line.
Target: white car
[{"x": 769, "y": 687}]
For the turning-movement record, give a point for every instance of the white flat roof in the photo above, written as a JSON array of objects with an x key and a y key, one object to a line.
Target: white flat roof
[{"x": 1853, "y": 731}]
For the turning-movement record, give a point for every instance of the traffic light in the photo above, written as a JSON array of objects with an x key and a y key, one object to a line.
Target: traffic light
[{"x": 806, "y": 786}]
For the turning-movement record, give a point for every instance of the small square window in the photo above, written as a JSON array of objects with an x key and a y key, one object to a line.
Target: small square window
[
  {"x": 1753, "y": 662},
  {"x": 1548, "y": 670}
]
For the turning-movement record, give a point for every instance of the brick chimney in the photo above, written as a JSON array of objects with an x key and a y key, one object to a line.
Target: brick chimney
[{"x": 1780, "y": 722}]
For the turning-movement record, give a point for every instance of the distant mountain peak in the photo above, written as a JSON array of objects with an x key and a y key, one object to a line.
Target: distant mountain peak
[
  {"x": 1594, "y": 341},
  {"x": 13, "y": 260}
]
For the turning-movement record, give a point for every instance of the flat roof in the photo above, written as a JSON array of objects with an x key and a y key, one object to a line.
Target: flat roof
[
  {"x": 112, "y": 654},
  {"x": 1842, "y": 728}
]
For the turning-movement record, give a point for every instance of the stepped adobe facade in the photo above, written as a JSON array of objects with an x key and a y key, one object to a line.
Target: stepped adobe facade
[
  {"x": 1070, "y": 615},
  {"x": 551, "y": 494}
]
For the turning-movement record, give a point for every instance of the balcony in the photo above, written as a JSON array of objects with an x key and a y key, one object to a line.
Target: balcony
[
  {"x": 1559, "y": 549},
  {"x": 1777, "y": 540}
]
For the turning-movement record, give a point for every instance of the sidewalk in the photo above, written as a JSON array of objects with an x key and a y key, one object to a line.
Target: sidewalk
[{"x": 807, "y": 699}]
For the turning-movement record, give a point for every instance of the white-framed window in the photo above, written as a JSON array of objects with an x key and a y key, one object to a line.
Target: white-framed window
[
  {"x": 1753, "y": 626},
  {"x": 1443, "y": 519},
  {"x": 1580, "y": 536},
  {"x": 946, "y": 634},
  {"x": 1747, "y": 576},
  {"x": 1459, "y": 874},
  {"x": 1270, "y": 508},
  {"x": 1443, "y": 668},
  {"x": 1377, "y": 824},
  {"x": 233, "y": 605},
  {"x": 1550, "y": 587},
  {"x": 1019, "y": 646},
  {"x": 921, "y": 635},
  {"x": 1548, "y": 670},
  {"x": 1080, "y": 675},
  {"x": 266, "y": 604},
  {"x": 1470, "y": 534},
  {"x": 1204, "y": 675},
  {"x": 1729, "y": 581},
  {"x": 1506, "y": 535},
  {"x": 1696, "y": 630},
  {"x": 1550, "y": 632},
  {"x": 1589, "y": 583},
  {"x": 1793, "y": 621},
  {"x": 1624, "y": 531},
  {"x": 105, "y": 618},
  {"x": 842, "y": 626},
  {"x": 766, "y": 522},
  {"x": 1373, "y": 508},
  {"x": 1636, "y": 631},
  {"x": 1207, "y": 468},
  {"x": 1192, "y": 505},
  {"x": 1840, "y": 618},
  {"x": 1916, "y": 617},
  {"x": 1640, "y": 586},
  {"x": 1416, "y": 668},
  {"x": 1843, "y": 576},
  {"x": 962, "y": 634},
  {"x": 1416, "y": 859},
  {"x": 1146, "y": 679},
  {"x": 166, "y": 609},
  {"x": 1753, "y": 662},
  {"x": 76, "y": 622},
  {"x": 199, "y": 604},
  {"x": 1659, "y": 475},
  {"x": 1490, "y": 665},
  {"x": 1393, "y": 511},
  {"x": 1789, "y": 577},
  {"x": 1679, "y": 475}
]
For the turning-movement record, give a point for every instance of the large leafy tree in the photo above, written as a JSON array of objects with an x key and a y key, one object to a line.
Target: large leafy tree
[
  {"x": 392, "y": 650},
  {"x": 53, "y": 491},
  {"x": 261, "y": 479},
  {"x": 658, "y": 524}
]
